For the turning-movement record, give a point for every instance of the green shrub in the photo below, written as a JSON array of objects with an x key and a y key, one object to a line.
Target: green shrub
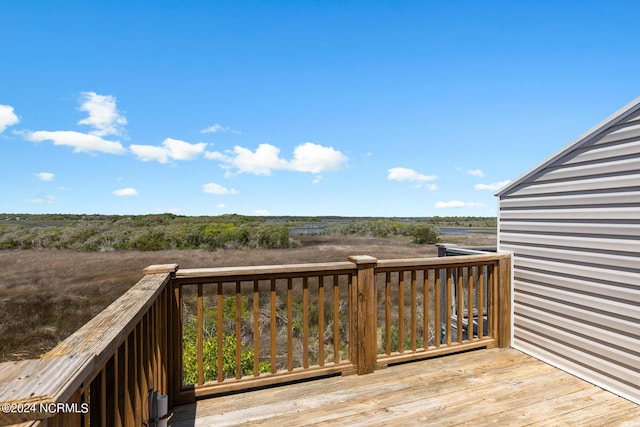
[
  {"x": 151, "y": 241},
  {"x": 210, "y": 344},
  {"x": 425, "y": 234}
]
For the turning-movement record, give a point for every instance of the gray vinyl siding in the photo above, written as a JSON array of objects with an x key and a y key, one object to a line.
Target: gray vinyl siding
[{"x": 573, "y": 225}]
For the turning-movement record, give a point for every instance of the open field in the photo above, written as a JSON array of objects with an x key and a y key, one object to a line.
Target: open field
[{"x": 45, "y": 295}]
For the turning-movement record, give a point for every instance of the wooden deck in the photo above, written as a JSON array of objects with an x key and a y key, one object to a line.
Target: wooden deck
[{"x": 497, "y": 386}]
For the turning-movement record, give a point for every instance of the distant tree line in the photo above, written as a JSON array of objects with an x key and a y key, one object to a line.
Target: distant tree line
[
  {"x": 142, "y": 233},
  {"x": 420, "y": 232},
  {"x": 93, "y": 233}
]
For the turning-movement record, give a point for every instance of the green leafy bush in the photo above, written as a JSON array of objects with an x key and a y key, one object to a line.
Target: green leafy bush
[
  {"x": 425, "y": 234},
  {"x": 210, "y": 344}
]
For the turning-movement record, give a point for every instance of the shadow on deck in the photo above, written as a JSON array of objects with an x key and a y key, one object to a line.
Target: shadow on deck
[{"x": 495, "y": 386}]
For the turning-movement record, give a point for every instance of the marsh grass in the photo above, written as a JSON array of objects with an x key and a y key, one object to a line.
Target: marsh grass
[{"x": 46, "y": 295}]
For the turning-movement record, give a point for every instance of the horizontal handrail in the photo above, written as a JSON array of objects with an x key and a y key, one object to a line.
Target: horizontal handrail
[
  {"x": 185, "y": 276},
  {"x": 443, "y": 262}
]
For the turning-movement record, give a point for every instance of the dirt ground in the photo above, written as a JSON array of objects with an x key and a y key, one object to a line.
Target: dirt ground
[{"x": 46, "y": 295}]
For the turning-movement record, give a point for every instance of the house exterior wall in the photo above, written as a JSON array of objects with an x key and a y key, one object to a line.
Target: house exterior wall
[{"x": 573, "y": 226}]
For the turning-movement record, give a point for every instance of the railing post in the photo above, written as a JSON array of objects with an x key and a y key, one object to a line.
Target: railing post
[
  {"x": 504, "y": 302},
  {"x": 171, "y": 342},
  {"x": 364, "y": 348}
]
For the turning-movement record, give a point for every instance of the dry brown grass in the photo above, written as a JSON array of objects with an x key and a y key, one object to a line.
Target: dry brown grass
[{"x": 45, "y": 295}]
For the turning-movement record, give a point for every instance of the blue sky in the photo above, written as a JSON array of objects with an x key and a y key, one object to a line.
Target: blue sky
[{"x": 298, "y": 107}]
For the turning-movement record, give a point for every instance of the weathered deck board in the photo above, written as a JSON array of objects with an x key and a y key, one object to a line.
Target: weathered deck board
[{"x": 496, "y": 386}]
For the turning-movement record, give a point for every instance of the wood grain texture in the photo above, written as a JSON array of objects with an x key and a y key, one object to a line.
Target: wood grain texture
[{"x": 497, "y": 386}]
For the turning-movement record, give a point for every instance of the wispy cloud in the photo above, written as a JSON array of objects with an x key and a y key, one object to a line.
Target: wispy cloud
[
  {"x": 171, "y": 149},
  {"x": 219, "y": 128},
  {"x": 44, "y": 176},
  {"x": 7, "y": 117},
  {"x": 45, "y": 200},
  {"x": 491, "y": 187},
  {"x": 307, "y": 157},
  {"x": 217, "y": 189},
  {"x": 475, "y": 172},
  {"x": 458, "y": 204},
  {"x": 81, "y": 142},
  {"x": 405, "y": 174},
  {"x": 124, "y": 192},
  {"x": 409, "y": 175},
  {"x": 104, "y": 116},
  {"x": 261, "y": 212},
  {"x": 221, "y": 206}
]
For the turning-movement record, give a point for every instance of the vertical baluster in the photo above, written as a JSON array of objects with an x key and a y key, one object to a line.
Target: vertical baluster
[
  {"x": 448, "y": 304},
  {"x": 481, "y": 307},
  {"x": 200, "y": 335},
  {"x": 470, "y": 327},
  {"x": 238, "y": 331},
  {"x": 336, "y": 319},
  {"x": 289, "y": 324},
  {"x": 256, "y": 329},
  {"x": 459, "y": 303},
  {"x": 305, "y": 322},
  {"x": 98, "y": 399},
  {"x": 413, "y": 310},
  {"x": 175, "y": 346},
  {"x": 274, "y": 325},
  {"x": 142, "y": 380},
  {"x": 438, "y": 307},
  {"x": 401, "y": 311},
  {"x": 321, "y": 321},
  {"x": 146, "y": 353},
  {"x": 425, "y": 308},
  {"x": 387, "y": 312},
  {"x": 133, "y": 376},
  {"x": 128, "y": 398},
  {"x": 220, "y": 333},
  {"x": 494, "y": 302},
  {"x": 153, "y": 379}
]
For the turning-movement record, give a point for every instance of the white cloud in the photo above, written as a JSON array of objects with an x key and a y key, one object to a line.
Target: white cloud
[
  {"x": 103, "y": 114},
  {"x": 81, "y": 142},
  {"x": 180, "y": 150},
  {"x": 217, "y": 189},
  {"x": 491, "y": 187},
  {"x": 218, "y": 128},
  {"x": 475, "y": 172},
  {"x": 261, "y": 162},
  {"x": 221, "y": 206},
  {"x": 405, "y": 174},
  {"x": 46, "y": 200},
  {"x": 7, "y": 117},
  {"x": 126, "y": 192},
  {"x": 44, "y": 176},
  {"x": 317, "y": 179},
  {"x": 261, "y": 212},
  {"x": 307, "y": 157},
  {"x": 458, "y": 204},
  {"x": 148, "y": 153},
  {"x": 216, "y": 155},
  {"x": 314, "y": 158},
  {"x": 170, "y": 149}
]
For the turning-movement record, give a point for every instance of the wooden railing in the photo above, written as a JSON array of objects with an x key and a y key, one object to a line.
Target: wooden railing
[
  {"x": 189, "y": 333},
  {"x": 442, "y": 305},
  {"x": 276, "y": 324},
  {"x": 100, "y": 375},
  {"x": 273, "y": 324}
]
